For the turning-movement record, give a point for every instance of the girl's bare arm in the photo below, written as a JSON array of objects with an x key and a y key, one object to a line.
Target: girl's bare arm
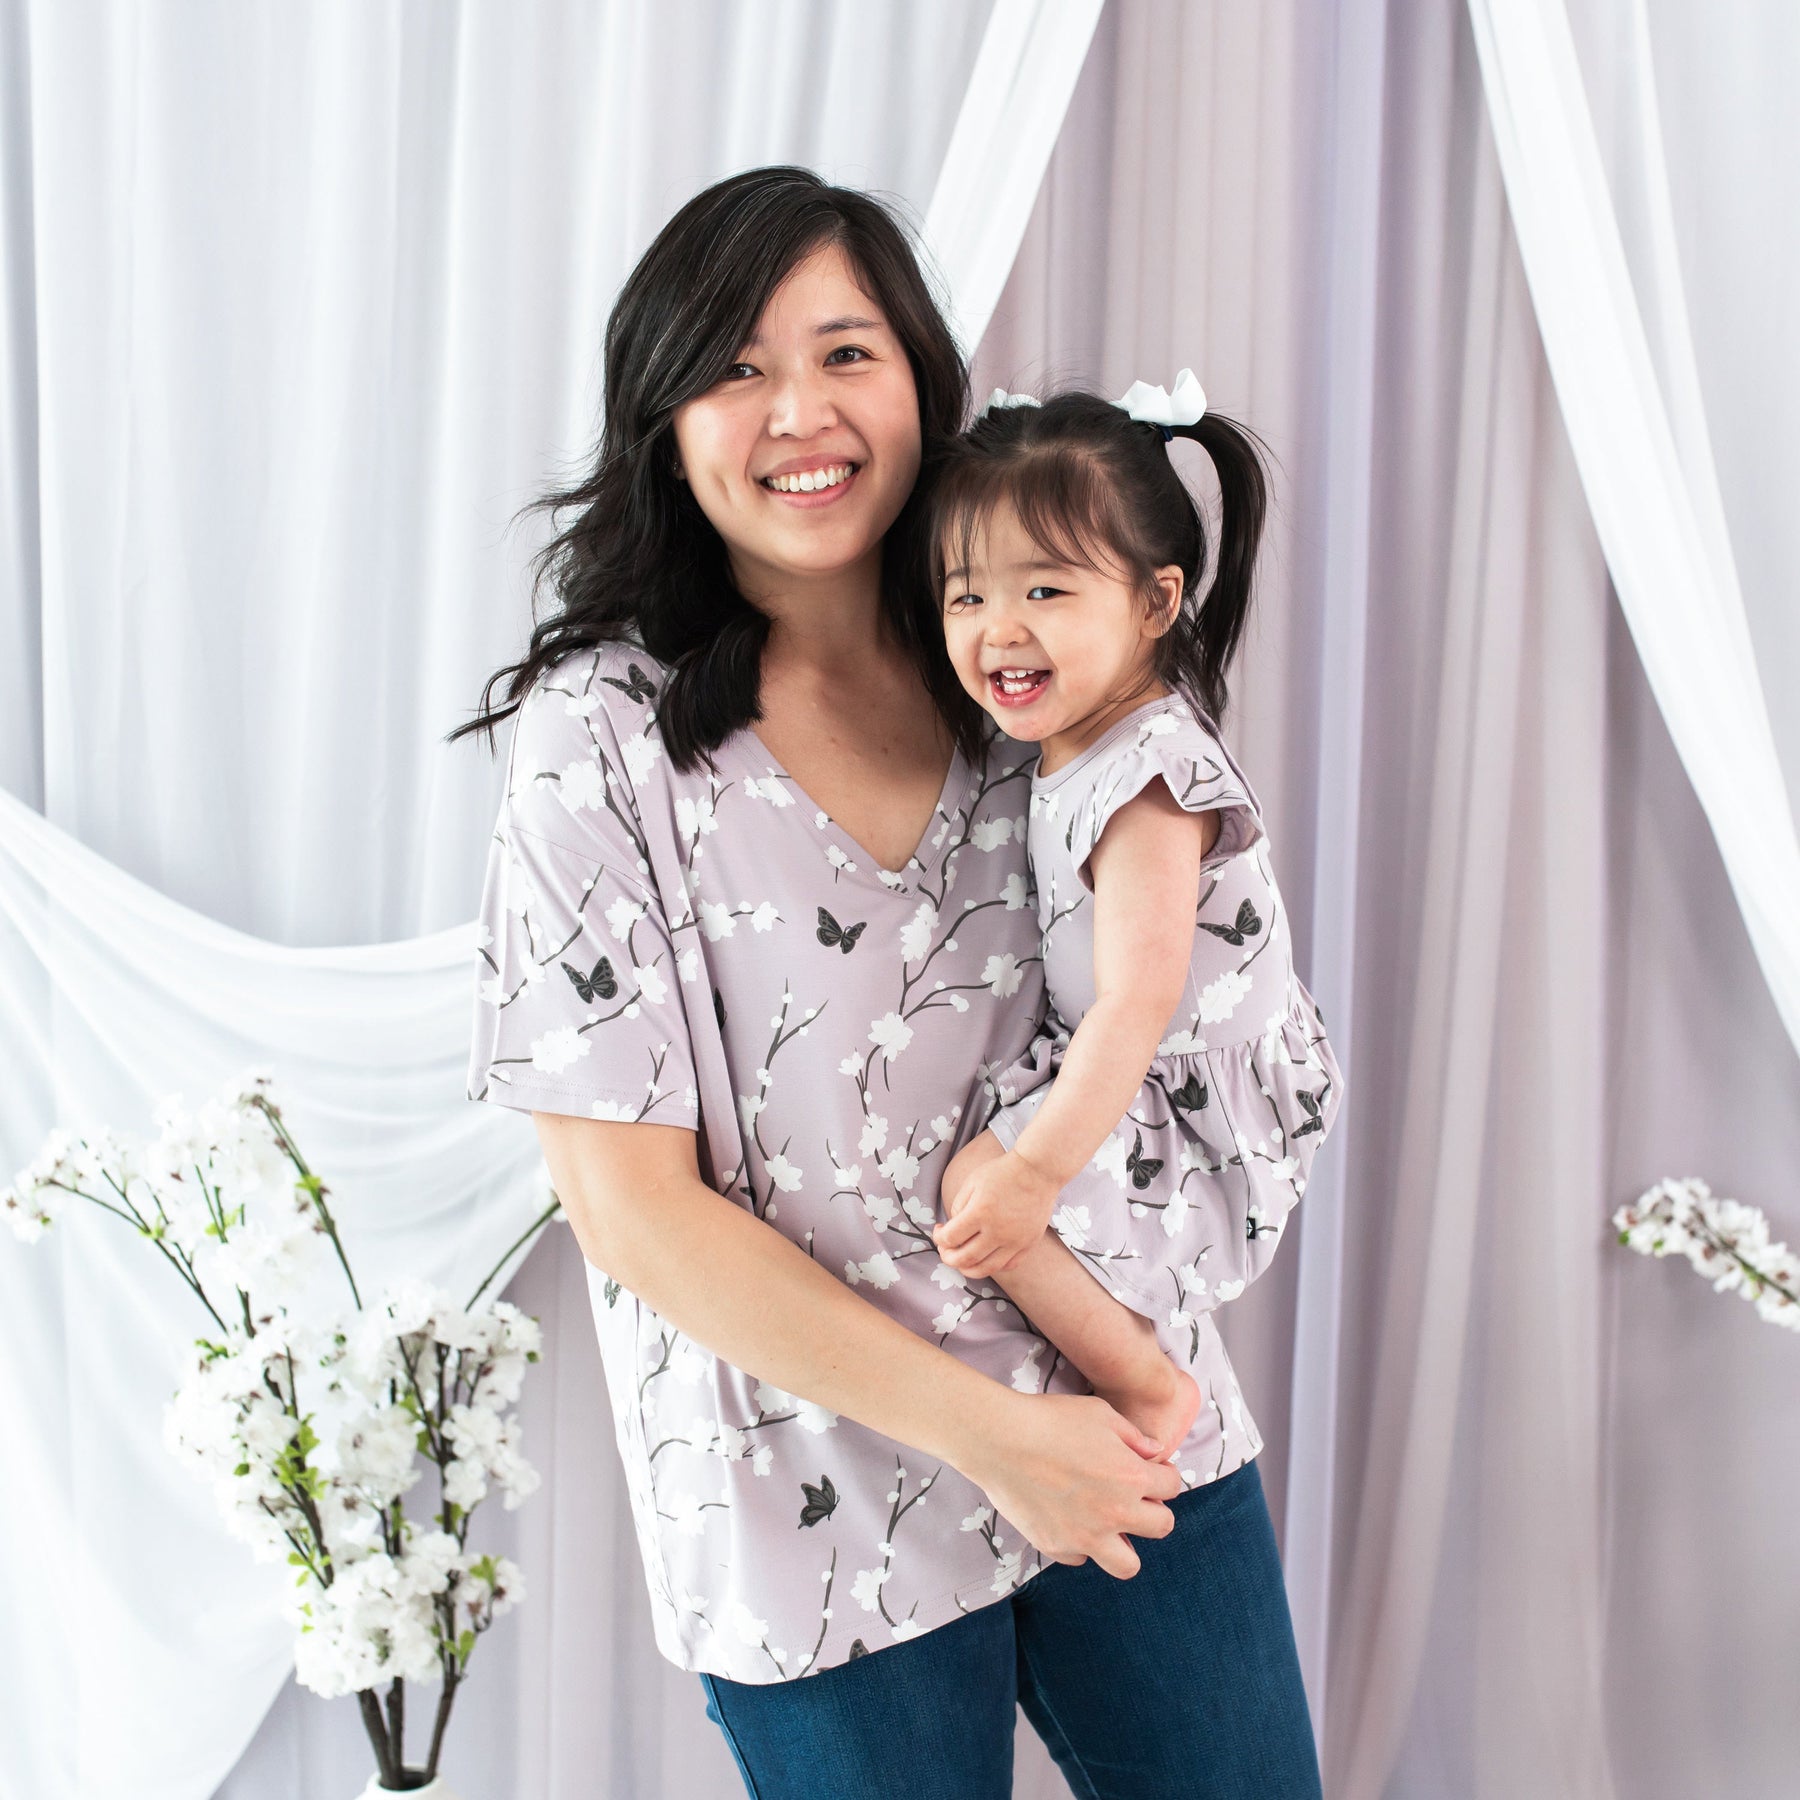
[
  {"x": 1067, "y": 1469},
  {"x": 1146, "y": 874}
]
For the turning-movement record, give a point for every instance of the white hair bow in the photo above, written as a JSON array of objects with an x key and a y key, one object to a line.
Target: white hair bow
[
  {"x": 1000, "y": 397},
  {"x": 1156, "y": 406}
]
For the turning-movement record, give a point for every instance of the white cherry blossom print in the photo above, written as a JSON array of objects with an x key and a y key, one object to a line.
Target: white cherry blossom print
[
  {"x": 891, "y": 1035},
  {"x": 1181, "y": 1181},
  {"x": 657, "y": 953},
  {"x": 582, "y": 784}
]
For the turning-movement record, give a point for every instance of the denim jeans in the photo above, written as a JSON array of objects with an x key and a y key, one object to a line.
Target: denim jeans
[{"x": 1179, "y": 1683}]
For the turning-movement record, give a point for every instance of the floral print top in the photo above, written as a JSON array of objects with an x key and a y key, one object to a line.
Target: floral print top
[
  {"x": 1184, "y": 1202},
  {"x": 709, "y": 949}
]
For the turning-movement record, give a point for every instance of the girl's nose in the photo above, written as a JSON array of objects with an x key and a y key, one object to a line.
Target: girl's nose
[{"x": 1005, "y": 629}]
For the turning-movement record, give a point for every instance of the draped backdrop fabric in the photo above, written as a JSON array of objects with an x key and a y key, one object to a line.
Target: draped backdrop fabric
[
  {"x": 301, "y": 307},
  {"x": 1519, "y": 1470}
]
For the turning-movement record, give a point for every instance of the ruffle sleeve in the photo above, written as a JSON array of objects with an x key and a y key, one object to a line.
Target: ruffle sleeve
[
  {"x": 1186, "y": 1202},
  {"x": 577, "y": 1005},
  {"x": 1200, "y": 774}
]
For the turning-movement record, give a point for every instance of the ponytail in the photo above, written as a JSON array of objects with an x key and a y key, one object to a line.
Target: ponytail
[{"x": 1198, "y": 650}]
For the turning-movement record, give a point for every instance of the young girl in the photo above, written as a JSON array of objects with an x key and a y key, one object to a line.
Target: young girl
[{"x": 1193, "y": 1080}]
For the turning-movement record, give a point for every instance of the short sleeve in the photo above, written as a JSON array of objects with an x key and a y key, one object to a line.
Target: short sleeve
[
  {"x": 1174, "y": 747},
  {"x": 577, "y": 1007}
]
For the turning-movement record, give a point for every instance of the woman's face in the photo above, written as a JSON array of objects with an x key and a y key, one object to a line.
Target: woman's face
[{"x": 804, "y": 454}]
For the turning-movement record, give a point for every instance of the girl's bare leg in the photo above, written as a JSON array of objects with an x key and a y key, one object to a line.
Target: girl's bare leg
[{"x": 1113, "y": 1346}]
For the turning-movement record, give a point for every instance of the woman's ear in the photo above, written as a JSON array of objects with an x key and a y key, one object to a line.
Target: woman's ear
[{"x": 1170, "y": 586}]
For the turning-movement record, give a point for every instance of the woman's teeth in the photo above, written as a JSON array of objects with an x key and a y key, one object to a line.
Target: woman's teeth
[{"x": 811, "y": 481}]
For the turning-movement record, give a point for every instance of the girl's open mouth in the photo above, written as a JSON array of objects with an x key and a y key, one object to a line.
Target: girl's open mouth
[
  {"x": 814, "y": 487},
  {"x": 1017, "y": 687}
]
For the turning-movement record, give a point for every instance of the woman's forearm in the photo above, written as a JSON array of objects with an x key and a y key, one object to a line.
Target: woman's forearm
[{"x": 734, "y": 1284}]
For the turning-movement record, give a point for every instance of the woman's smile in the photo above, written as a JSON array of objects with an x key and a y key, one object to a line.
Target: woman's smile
[{"x": 812, "y": 484}]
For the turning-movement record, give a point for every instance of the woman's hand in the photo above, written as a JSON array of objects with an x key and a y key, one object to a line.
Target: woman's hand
[
  {"x": 998, "y": 1205},
  {"x": 1076, "y": 1478},
  {"x": 1066, "y": 1469}
]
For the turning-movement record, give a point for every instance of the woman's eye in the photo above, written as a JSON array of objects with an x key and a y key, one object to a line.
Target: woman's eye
[
  {"x": 738, "y": 371},
  {"x": 849, "y": 350}
]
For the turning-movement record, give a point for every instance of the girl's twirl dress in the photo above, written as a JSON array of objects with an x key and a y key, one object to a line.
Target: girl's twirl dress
[{"x": 1216, "y": 1148}]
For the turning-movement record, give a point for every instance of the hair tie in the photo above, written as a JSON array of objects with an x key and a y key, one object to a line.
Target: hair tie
[
  {"x": 1156, "y": 406},
  {"x": 1000, "y": 397}
]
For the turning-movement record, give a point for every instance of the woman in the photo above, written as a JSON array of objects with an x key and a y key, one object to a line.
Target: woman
[{"x": 759, "y": 959}]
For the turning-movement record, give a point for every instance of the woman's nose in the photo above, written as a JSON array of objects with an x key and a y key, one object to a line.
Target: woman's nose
[{"x": 800, "y": 408}]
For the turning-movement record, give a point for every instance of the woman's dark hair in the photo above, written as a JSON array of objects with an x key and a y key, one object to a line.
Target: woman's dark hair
[
  {"x": 1095, "y": 487},
  {"x": 640, "y": 563}
]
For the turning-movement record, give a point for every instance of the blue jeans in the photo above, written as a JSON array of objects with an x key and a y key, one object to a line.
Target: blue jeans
[{"x": 1180, "y": 1683}]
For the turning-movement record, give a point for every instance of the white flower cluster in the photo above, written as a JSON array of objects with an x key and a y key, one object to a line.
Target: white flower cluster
[
  {"x": 1726, "y": 1241},
  {"x": 307, "y": 1420},
  {"x": 400, "y": 1618}
]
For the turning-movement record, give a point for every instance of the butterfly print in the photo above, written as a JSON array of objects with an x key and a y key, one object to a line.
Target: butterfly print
[
  {"x": 1247, "y": 924},
  {"x": 600, "y": 983},
  {"x": 1141, "y": 1168},
  {"x": 637, "y": 686},
  {"x": 1190, "y": 1096},
  {"x": 821, "y": 1501},
  {"x": 825, "y": 1095},
  {"x": 844, "y": 936}
]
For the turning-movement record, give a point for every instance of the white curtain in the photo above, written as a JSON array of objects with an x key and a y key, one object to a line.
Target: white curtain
[
  {"x": 300, "y": 307},
  {"x": 1531, "y": 1501},
  {"x": 267, "y": 415},
  {"x": 1622, "y": 354}
]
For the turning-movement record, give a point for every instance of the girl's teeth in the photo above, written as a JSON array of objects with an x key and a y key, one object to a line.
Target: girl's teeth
[{"x": 811, "y": 481}]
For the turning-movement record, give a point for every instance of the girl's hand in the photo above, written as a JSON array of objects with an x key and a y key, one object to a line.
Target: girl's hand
[
  {"x": 1077, "y": 1479},
  {"x": 999, "y": 1205}
]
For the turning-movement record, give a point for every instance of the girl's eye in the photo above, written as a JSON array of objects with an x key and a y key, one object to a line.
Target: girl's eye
[
  {"x": 1041, "y": 592},
  {"x": 957, "y": 601}
]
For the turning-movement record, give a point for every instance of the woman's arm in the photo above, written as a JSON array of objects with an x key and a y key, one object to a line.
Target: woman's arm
[{"x": 1067, "y": 1469}]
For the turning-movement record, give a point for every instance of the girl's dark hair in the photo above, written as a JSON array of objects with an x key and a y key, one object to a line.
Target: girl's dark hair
[
  {"x": 1095, "y": 487},
  {"x": 640, "y": 563}
]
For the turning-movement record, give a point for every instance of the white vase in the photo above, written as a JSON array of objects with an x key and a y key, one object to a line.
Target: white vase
[{"x": 436, "y": 1790}]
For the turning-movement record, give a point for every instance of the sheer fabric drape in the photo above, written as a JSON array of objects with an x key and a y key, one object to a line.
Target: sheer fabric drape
[
  {"x": 1537, "y": 1527},
  {"x": 1503, "y": 1439},
  {"x": 300, "y": 308}
]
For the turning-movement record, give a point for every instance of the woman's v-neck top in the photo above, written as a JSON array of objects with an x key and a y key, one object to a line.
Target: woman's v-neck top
[{"x": 709, "y": 949}]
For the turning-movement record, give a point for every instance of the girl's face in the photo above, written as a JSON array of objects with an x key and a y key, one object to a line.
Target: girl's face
[
  {"x": 1053, "y": 651},
  {"x": 804, "y": 453}
]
